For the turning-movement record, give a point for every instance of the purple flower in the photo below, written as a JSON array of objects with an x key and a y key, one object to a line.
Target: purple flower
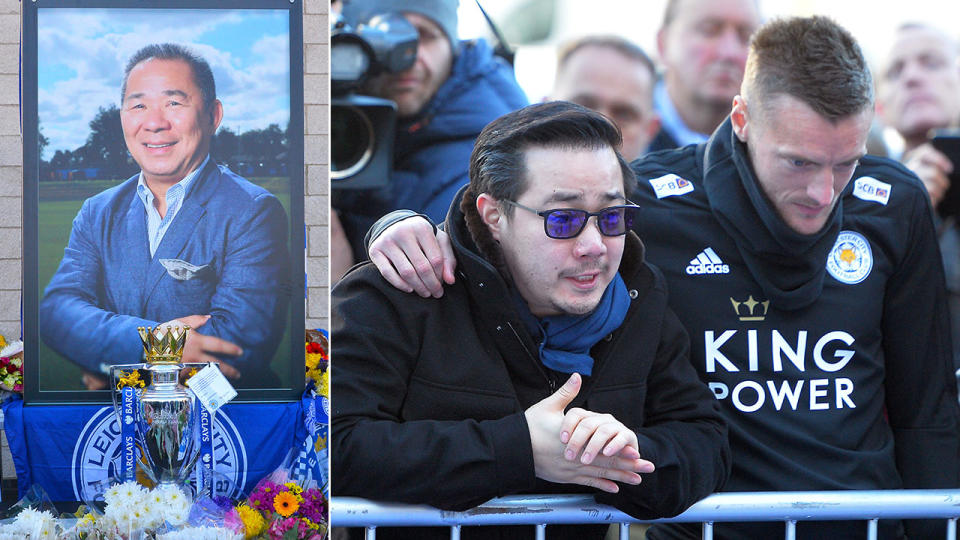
[
  {"x": 262, "y": 497},
  {"x": 222, "y": 501}
]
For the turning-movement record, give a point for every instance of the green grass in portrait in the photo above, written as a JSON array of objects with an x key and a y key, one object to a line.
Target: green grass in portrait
[{"x": 58, "y": 204}]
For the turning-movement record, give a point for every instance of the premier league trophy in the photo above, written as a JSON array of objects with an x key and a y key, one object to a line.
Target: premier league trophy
[{"x": 159, "y": 419}]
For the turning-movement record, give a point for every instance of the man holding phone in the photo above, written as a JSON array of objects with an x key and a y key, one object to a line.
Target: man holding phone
[{"x": 919, "y": 92}]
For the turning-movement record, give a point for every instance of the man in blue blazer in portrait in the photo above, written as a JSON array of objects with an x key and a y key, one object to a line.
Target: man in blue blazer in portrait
[{"x": 185, "y": 241}]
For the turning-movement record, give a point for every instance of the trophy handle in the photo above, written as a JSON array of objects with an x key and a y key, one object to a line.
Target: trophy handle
[{"x": 115, "y": 371}]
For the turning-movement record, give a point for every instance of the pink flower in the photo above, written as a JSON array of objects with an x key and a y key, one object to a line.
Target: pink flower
[
  {"x": 314, "y": 508},
  {"x": 280, "y": 526},
  {"x": 232, "y": 521},
  {"x": 262, "y": 497}
]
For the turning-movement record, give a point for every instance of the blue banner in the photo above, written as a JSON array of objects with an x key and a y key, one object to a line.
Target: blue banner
[
  {"x": 205, "y": 461},
  {"x": 71, "y": 451},
  {"x": 128, "y": 432}
]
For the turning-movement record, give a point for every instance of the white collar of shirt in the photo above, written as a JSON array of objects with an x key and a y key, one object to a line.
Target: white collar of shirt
[
  {"x": 157, "y": 226},
  {"x": 670, "y": 119}
]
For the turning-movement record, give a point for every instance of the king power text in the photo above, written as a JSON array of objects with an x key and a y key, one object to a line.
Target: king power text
[{"x": 815, "y": 361}]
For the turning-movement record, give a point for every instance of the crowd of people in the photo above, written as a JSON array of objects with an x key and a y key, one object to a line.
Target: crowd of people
[{"x": 762, "y": 302}]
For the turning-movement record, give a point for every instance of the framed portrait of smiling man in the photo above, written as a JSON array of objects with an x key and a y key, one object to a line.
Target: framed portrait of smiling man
[{"x": 165, "y": 187}]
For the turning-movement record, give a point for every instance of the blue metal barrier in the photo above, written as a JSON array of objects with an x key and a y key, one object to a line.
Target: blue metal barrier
[{"x": 542, "y": 510}]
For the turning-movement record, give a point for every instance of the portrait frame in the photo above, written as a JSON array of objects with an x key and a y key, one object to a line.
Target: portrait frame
[{"x": 282, "y": 174}]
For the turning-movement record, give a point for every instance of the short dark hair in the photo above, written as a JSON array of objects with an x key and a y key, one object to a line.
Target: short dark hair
[
  {"x": 497, "y": 162},
  {"x": 202, "y": 74},
  {"x": 617, "y": 43},
  {"x": 813, "y": 59}
]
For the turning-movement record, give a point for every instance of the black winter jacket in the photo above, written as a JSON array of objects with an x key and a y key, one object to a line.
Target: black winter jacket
[{"x": 429, "y": 395}]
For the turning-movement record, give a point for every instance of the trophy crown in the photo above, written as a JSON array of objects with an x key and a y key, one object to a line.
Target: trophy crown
[{"x": 163, "y": 345}]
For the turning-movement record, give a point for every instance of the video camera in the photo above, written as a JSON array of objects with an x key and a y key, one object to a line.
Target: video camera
[{"x": 362, "y": 127}]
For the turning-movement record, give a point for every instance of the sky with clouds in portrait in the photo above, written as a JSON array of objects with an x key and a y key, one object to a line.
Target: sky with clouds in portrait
[{"x": 81, "y": 54}]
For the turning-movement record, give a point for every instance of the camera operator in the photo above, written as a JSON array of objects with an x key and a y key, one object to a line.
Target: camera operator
[
  {"x": 443, "y": 101},
  {"x": 919, "y": 91}
]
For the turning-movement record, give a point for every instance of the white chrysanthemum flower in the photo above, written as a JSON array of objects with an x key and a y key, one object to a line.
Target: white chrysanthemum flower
[
  {"x": 130, "y": 492},
  {"x": 173, "y": 495},
  {"x": 34, "y": 523},
  {"x": 124, "y": 519},
  {"x": 112, "y": 494},
  {"x": 180, "y": 505},
  {"x": 177, "y": 517},
  {"x": 157, "y": 497},
  {"x": 152, "y": 514}
]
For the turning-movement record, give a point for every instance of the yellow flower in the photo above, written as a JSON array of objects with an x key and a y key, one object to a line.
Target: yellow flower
[
  {"x": 312, "y": 360},
  {"x": 253, "y": 522},
  {"x": 295, "y": 489},
  {"x": 323, "y": 385},
  {"x": 285, "y": 503},
  {"x": 3, "y": 342}
]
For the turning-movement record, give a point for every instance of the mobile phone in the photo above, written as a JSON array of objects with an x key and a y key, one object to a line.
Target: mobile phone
[{"x": 947, "y": 141}]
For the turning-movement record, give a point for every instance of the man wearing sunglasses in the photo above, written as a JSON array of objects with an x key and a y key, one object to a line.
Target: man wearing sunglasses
[
  {"x": 555, "y": 309},
  {"x": 809, "y": 279}
]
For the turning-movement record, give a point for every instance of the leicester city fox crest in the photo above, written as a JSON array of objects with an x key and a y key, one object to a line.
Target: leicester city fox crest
[
  {"x": 97, "y": 454},
  {"x": 851, "y": 258}
]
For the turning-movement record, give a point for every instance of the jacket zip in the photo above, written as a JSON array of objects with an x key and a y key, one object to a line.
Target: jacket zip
[{"x": 550, "y": 380}]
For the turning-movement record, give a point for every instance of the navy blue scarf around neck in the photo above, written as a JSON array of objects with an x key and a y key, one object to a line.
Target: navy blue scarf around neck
[{"x": 567, "y": 339}]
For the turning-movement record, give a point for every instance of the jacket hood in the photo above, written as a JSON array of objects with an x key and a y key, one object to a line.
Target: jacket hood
[
  {"x": 476, "y": 77},
  {"x": 790, "y": 267}
]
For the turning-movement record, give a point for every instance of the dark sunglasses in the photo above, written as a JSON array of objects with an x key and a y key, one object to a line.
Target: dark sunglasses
[{"x": 563, "y": 223}]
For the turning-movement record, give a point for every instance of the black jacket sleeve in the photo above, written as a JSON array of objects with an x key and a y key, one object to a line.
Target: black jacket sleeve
[
  {"x": 683, "y": 434},
  {"x": 920, "y": 385},
  {"x": 377, "y": 453},
  {"x": 386, "y": 222}
]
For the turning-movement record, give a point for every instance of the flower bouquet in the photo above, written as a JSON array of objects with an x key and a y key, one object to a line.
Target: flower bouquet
[
  {"x": 11, "y": 366},
  {"x": 287, "y": 511},
  {"x": 132, "y": 512},
  {"x": 31, "y": 523},
  {"x": 34, "y": 518},
  {"x": 317, "y": 360}
]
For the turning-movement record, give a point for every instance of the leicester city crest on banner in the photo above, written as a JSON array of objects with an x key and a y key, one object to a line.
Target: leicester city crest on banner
[
  {"x": 310, "y": 463},
  {"x": 97, "y": 454},
  {"x": 851, "y": 259}
]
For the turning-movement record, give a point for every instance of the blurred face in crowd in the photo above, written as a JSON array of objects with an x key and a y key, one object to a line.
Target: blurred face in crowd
[
  {"x": 413, "y": 88},
  {"x": 704, "y": 50},
  {"x": 920, "y": 83},
  {"x": 165, "y": 125},
  {"x": 802, "y": 160},
  {"x": 617, "y": 86},
  {"x": 567, "y": 276}
]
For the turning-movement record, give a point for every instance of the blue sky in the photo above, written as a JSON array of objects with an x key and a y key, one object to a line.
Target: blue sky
[{"x": 81, "y": 54}]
